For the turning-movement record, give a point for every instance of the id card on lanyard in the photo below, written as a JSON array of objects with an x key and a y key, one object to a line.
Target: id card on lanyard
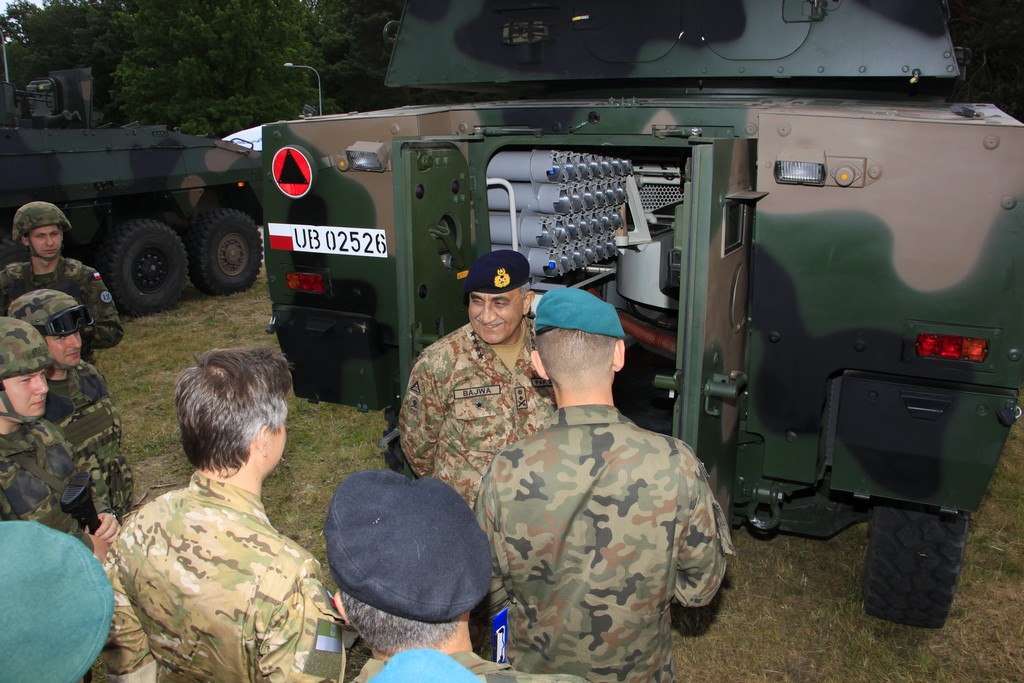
[{"x": 499, "y": 636}]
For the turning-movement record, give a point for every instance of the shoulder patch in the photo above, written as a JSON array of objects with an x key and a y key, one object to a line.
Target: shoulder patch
[
  {"x": 328, "y": 636},
  {"x": 540, "y": 382},
  {"x": 415, "y": 387},
  {"x": 96, "y": 275},
  {"x": 105, "y": 296}
]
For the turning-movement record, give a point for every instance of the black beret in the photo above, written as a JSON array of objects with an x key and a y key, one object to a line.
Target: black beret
[
  {"x": 410, "y": 548},
  {"x": 496, "y": 272}
]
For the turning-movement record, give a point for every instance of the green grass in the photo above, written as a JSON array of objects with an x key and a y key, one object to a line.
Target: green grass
[{"x": 790, "y": 609}]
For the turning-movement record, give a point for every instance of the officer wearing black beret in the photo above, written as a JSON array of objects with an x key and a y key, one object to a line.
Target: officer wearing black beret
[
  {"x": 474, "y": 391},
  {"x": 410, "y": 563}
]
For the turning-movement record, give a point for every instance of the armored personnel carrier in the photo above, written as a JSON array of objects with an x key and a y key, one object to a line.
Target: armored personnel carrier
[
  {"x": 810, "y": 246},
  {"x": 149, "y": 206}
]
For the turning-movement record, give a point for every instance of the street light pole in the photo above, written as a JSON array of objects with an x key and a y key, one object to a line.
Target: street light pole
[
  {"x": 319, "y": 91},
  {"x": 3, "y": 43}
]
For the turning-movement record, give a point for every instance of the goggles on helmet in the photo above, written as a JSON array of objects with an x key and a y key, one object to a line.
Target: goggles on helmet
[{"x": 67, "y": 322}]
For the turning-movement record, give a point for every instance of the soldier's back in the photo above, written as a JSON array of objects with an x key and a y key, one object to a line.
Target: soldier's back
[
  {"x": 586, "y": 519},
  {"x": 207, "y": 574}
]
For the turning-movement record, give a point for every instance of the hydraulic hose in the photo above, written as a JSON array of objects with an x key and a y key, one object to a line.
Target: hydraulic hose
[{"x": 657, "y": 339}]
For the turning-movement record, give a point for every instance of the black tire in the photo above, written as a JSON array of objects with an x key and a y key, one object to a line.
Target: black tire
[
  {"x": 913, "y": 564},
  {"x": 11, "y": 251},
  {"x": 224, "y": 252},
  {"x": 143, "y": 263}
]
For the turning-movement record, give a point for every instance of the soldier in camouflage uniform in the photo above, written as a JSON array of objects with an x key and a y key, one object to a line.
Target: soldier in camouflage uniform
[
  {"x": 474, "y": 391},
  {"x": 40, "y": 226},
  {"x": 410, "y": 563},
  {"x": 36, "y": 463},
  {"x": 78, "y": 401},
  {"x": 595, "y": 524},
  {"x": 205, "y": 589}
]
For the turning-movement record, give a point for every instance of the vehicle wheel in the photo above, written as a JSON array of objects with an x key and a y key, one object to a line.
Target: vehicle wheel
[
  {"x": 11, "y": 251},
  {"x": 143, "y": 263},
  {"x": 912, "y": 565},
  {"x": 224, "y": 252}
]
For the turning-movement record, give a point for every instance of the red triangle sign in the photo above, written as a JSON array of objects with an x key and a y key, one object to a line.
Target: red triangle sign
[{"x": 293, "y": 174}]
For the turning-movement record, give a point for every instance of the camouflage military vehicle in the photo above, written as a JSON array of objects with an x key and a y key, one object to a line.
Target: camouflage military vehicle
[
  {"x": 148, "y": 206},
  {"x": 812, "y": 249}
]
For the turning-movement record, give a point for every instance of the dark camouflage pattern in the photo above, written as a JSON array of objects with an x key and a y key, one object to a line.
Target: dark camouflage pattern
[
  {"x": 463, "y": 405},
  {"x": 210, "y": 591},
  {"x": 26, "y": 496},
  {"x": 82, "y": 283},
  {"x": 36, "y": 215},
  {"x": 595, "y": 527},
  {"x": 81, "y": 405},
  {"x": 785, "y": 313},
  {"x": 22, "y": 349},
  {"x": 83, "y": 408},
  {"x": 606, "y": 46},
  {"x": 485, "y": 670},
  {"x": 139, "y": 183},
  {"x": 40, "y": 305}
]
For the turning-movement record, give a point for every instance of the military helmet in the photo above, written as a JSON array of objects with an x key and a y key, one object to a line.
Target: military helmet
[
  {"x": 22, "y": 349},
  {"x": 35, "y": 215},
  {"x": 51, "y": 312}
]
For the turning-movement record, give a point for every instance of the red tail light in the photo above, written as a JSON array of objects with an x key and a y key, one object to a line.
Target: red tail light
[
  {"x": 312, "y": 283},
  {"x": 951, "y": 346}
]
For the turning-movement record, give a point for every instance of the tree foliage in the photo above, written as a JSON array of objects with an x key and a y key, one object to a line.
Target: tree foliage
[
  {"x": 991, "y": 30},
  {"x": 66, "y": 34},
  {"x": 356, "y": 54},
  {"x": 212, "y": 67}
]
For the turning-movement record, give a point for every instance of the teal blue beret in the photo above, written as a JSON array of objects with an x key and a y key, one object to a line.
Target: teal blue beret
[
  {"x": 574, "y": 309},
  {"x": 56, "y": 602},
  {"x": 496, "y": 272},
  {"x": 424, "y": 666}
]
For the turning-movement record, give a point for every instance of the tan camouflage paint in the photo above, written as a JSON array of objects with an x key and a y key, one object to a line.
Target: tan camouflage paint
[{"x": 912, "y": 158}]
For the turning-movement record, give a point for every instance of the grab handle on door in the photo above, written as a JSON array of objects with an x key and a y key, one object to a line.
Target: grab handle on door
[{"x": 723, "y": 387}]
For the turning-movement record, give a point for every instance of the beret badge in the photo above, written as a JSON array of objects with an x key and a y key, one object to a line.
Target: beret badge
[{"x": 501, "y": 279}]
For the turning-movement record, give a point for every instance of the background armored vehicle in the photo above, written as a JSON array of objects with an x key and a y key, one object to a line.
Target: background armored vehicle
[
  {"x": 812, "y": 250},
  {"x": 147, "y": 205}
]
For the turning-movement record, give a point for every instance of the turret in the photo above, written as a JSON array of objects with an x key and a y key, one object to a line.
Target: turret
[
  {"x": 669, "y": 47},
  {"x": 61, "y": 100}
]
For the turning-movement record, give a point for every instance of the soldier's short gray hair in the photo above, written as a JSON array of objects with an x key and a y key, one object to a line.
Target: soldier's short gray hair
[
  {"x": 572, "y": 356},
  {"x": 387, "y": 634},
  {"x": 225, "y": 399}
]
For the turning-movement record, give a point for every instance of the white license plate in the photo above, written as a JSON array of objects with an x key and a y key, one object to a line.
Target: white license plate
[{"x": 327, "y": 239}]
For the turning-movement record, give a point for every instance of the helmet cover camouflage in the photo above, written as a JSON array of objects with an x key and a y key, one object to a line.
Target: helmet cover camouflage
[
  {"x": 22, "y": 349},
  {"x": 36, "y": 215},
  {"x": 39, "y": 306}
]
